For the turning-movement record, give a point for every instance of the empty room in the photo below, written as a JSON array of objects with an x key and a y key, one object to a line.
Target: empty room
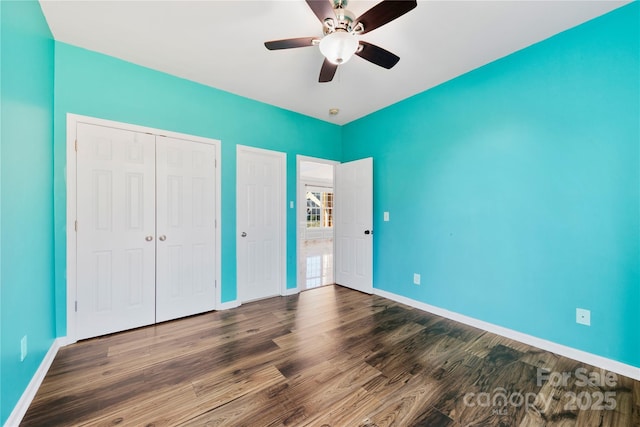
[{"x": 320, "y": 213}]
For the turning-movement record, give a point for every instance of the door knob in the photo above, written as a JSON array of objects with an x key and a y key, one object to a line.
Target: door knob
[
  {"x": 243, "y": 234},
  {"x": 148, "y": 238},
  {"x": 368, "y": 231},
  {"x": 162, "y": 238}
]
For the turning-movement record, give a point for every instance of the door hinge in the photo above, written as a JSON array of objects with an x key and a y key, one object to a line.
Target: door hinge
[
  {"x": 215, "y": 223},
  {"x": 76, "y": 306},
  {"x": 215, "y": 163},
  {"x": 75, "y": 225},
  {"x": 75, "y": 145}
]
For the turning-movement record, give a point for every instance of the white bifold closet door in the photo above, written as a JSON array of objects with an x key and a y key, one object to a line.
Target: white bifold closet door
[
  {"x": 146, "y": 229},
  {"x": 116, "y": 255},
  {"x": 185, "y": 178}
]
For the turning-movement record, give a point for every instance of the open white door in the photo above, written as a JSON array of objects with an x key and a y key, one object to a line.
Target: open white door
[{"x": 354, "y": 225}]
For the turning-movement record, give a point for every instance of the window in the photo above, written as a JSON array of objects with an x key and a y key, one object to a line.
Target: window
[{"x": 319, "y": 209}]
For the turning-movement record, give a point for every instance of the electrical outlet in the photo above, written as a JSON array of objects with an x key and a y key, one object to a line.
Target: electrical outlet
[
  {"x": 416, "y": 279},
  {"x": 386, "y": 216},
  {"x": 23, "y": 348},
  {"x": 583, "y": 316}
]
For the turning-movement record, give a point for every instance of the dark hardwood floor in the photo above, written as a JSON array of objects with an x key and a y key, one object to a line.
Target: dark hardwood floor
[{"x": 326, "y": 357}]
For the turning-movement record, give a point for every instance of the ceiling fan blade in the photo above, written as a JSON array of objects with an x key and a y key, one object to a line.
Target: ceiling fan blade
[
  {"x": 383, "y": 13},
  {"x": 289, "y": 43},
  {"x": 377, "y": 55},
  {"x": 323, "y": 9},
  {"x": 327, "y": 71}
]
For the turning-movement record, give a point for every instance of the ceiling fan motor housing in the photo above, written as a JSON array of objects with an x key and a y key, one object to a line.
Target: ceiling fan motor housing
[{"x": 343, "y": 21}]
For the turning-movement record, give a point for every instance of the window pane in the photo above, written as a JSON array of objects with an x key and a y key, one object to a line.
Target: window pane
[
  {"x": 319, "y": 209},
  {"x": 314, "y": 206}
]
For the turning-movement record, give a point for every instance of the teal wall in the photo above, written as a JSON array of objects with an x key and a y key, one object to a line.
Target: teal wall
[
  {"x": 26, "y": 184},
  {"x": 514, "y": 190},
  {"x": 97, "y": 85}
]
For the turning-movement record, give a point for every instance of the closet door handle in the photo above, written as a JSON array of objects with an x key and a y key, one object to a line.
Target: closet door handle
[
  {"x": 148, "y": 238},
  {"x": 162, "y": 238},
  {"x": 243, "y": 234}
]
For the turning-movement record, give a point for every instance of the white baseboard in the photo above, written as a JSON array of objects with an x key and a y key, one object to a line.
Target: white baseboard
[
  {"x": 229, "y": 305},
  {"x": 572, "y": 353},
  {"x": 30, "y": 392},
  {"x": 290, "y": 291}
]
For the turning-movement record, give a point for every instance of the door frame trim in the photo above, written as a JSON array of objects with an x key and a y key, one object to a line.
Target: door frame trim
[
  {"x": 71, "y": 173},
  {"x": 282, "y": 160}
]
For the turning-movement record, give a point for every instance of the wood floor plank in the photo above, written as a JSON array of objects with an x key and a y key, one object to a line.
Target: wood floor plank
[
  {"x": 176, "y": 405},
  {"x": 315, "y": 390},
  {"x": 328, "y": 357},
  {"x": 114, "y": 369},
  {"x": 635, "y": 416},
  {"x": 406, "y": 405},
  {"x": 165, "y": 407},
  {"x": 352, "y": 411}
]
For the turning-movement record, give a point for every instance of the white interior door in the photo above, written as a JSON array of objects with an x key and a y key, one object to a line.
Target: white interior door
[
  {"x": 115, "y": 230},
  {"x": 185, "y": 180},
  {"x": 261, "y": 214},
  {"x": 354, "y": 225}
]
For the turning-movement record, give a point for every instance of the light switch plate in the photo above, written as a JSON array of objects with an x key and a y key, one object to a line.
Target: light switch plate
[{"x": 386, "y": 216}]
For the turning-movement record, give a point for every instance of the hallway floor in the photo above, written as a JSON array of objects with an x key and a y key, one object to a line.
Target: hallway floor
[{"x": 316, "y": 264}]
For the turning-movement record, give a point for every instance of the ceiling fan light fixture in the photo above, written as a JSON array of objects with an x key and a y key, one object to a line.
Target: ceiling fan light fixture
[{"x": 338, "y": 47}]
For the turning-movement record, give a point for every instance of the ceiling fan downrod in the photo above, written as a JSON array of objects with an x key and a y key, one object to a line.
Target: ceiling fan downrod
[{"x": 343, "y": 20}]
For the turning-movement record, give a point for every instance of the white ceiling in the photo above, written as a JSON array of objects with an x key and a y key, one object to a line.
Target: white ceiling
[
  {"x": 220, "y": 44},
  {"x": 316, "y": 171}
]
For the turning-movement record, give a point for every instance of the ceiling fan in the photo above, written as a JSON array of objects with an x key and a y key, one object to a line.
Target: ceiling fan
[{"x": 341, "y": 31}]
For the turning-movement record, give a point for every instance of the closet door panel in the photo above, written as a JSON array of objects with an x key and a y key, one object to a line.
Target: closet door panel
[
  {"x": 116, "y": 226},
  {"x": 185, "y": 173}
]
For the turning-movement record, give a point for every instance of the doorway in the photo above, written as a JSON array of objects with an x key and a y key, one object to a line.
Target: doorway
[{"x": 315, "y": 217}]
